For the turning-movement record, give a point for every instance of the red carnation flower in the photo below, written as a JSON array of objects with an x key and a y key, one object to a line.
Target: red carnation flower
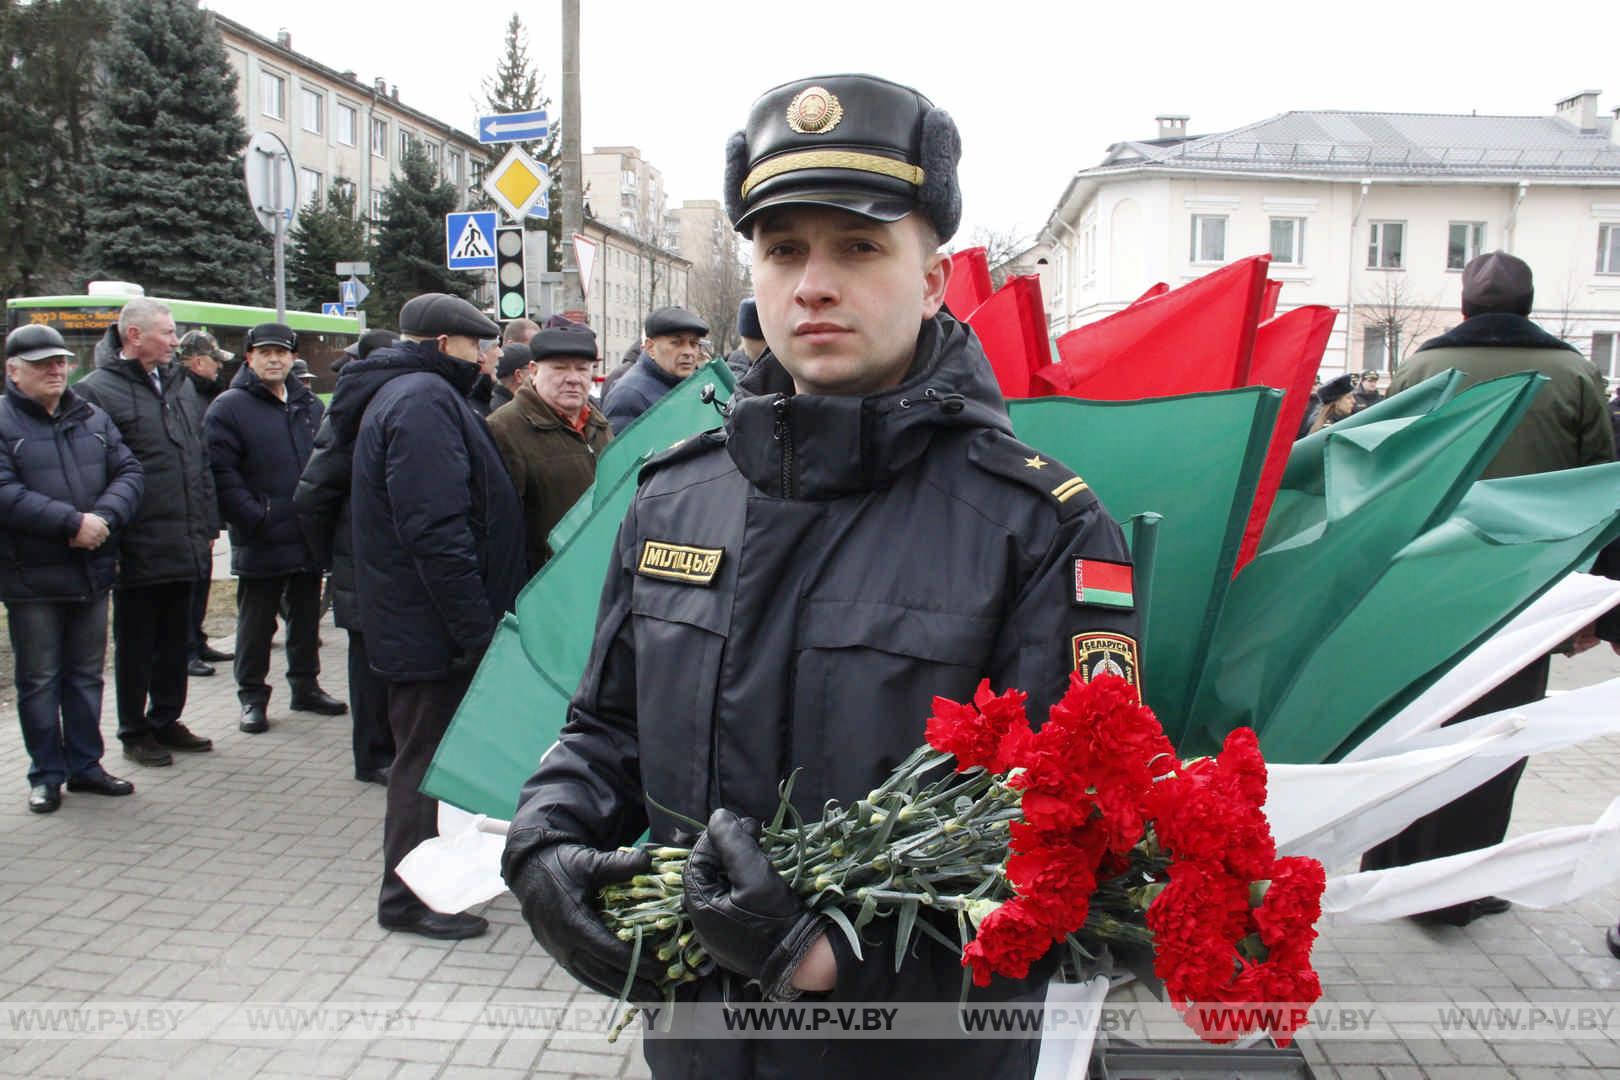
[
  {"x": 975, "y": 733},
  {"x": 1009, "y": 940}
]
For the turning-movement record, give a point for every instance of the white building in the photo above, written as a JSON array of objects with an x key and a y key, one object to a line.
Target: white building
[
  {"x": 1372, "y": 213},
  {"x": 629, "y": 280},
  {"x": 623, "y": 190}
]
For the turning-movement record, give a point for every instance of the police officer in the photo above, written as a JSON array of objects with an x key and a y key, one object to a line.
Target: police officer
[{"x": 877, "y": 537}]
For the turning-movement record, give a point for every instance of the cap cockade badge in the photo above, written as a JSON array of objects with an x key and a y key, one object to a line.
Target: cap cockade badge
[{"x": 814, "y": 111}]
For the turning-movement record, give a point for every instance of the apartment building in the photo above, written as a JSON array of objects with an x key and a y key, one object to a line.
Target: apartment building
[
  {"x": 629, "y": 280},
  {"x": 625, "y": 192}
]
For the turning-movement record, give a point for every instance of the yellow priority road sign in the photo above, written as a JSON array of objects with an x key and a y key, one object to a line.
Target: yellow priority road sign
[{"x": 517, "y": 183}]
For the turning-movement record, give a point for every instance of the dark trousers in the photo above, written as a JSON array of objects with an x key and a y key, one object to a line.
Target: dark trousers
[
  {"x": 419, "y": 713},
  {"x": 150, "y": 633},
  {"x": 199, "y": 610},
  {"x": 59, "y": 649},
  {"x": 258, "y": 602},
  {"x": 368, "y": 703},
  {"x": 1480, "y": 818}
]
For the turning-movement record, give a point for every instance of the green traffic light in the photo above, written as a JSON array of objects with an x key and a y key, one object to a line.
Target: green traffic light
[{"x": 512, "y": 305}]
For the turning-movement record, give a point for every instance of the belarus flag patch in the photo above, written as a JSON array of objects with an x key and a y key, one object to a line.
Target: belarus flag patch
[{"x": 1103, "y": 584}]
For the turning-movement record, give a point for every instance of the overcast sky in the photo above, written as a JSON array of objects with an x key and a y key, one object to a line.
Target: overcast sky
[{"x": 1039, "y": 90}]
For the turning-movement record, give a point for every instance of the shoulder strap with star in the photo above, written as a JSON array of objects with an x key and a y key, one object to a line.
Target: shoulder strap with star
[
  {"x": 1002, "y": 455},
  {"x": 689, "y": 447}
]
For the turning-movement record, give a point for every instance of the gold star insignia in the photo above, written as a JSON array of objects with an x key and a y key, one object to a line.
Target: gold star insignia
[{"x": 1036, "y": 462}]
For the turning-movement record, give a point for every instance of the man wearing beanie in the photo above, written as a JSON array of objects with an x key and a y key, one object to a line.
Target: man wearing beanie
[
  {"x": 753, "y": 340},
  {"x": 1566, "y": 426},
  {"x": 438, "y": 556},
  {"x": 550, "y": 433},
  {"x": 824, "y": 613}
]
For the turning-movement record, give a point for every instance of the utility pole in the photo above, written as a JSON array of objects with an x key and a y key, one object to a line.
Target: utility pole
[{"x": 573, "y": 195}]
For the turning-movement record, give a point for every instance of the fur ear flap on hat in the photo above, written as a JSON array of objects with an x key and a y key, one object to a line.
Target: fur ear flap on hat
[
  {"x": 736, "y": 169},
  {"x": 940, "y": 196}
]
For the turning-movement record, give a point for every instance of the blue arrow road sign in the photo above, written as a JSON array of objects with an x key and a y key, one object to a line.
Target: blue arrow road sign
[
  {"x": 469, "y": 241},
  {"x": 331, "y": 309},
  {"x": 513, "y": 127}
]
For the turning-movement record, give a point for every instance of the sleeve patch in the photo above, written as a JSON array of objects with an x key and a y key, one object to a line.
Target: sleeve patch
[{"x": 1105, "y": 653}]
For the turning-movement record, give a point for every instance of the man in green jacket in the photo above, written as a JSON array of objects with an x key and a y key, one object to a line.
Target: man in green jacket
[
  {"x": 1566, "y": 426},
  {"x": 549, "y": 433}
]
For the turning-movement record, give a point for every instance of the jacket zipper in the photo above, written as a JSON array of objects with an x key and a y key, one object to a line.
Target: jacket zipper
[{"x": 784, "y": 435}]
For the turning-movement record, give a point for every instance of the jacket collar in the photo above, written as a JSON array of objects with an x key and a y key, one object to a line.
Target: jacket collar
[
  {"x": 1498, "y": 330},
  {"x": 70, "y": 405},
  {"x": 647, "y": 364},
  {"x": 543, "y": 417},
  {"x": 818, "y": 447},
  {"x": 360, "y": 380}
]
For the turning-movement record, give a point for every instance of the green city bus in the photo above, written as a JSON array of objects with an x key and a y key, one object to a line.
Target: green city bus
[{"x": 83, "y": 319}]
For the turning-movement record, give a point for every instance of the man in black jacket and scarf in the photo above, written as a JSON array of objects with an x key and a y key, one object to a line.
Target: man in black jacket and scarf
[
  {"x": 260, "y": 434},
  {"x": 68, "y": 484},
  {"x": 873, "y": 535},
  {"x": 438, "y": 556},
  {"x": 168, "y": 548}
]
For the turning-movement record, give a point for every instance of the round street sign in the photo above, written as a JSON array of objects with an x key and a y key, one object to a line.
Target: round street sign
[{"x": 272, "y": 180}]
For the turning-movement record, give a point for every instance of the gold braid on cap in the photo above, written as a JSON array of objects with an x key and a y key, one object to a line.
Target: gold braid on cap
[{"x": 832, "y": 159}]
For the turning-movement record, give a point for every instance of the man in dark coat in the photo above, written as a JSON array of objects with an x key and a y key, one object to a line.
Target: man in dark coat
[
  {"x": 322, "y": 505},
  {"x": 68, "y": 484},
  {"x": 438, "y": 554},
  {"x": 481, "y": 395},
  {"x": 204, "y": 362},
  {"x": 1566, "y": 426},
  {"x": 167, "y": 549},
  {"x": 1367, "y": 392},
  {"x": 668, "y": 355},
  {"x": 511, "y": 372},
  {"x": 753, "y": 342},
  {"x": 260, "y": 434},
  {"x": 551, "y": 433},
  {"x": 780, "y": 600}
]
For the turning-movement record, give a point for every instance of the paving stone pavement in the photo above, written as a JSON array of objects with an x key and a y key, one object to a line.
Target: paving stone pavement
[{"x": 249, "y": 875}]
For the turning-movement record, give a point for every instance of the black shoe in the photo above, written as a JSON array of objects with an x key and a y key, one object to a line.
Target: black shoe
[
  {"x": 1613, "y": 937},
  {"x": 1489, "y": 905},
  {"x": 434, "y": 925},
  {"x": 318, "y": 701},
  {"x": 372, "y": 776},
  {"x": 213, "y": 655},
  {"x": 198, "y": 668},
  {"x": 144, "y": 750},
  {"x": 177, "y": 736},
  {"x": 102, "y": 783},
  {"x": 1465, "y": 913},
  {"x": 45, "y": 798},
  {"x": 253, "y": 721}
]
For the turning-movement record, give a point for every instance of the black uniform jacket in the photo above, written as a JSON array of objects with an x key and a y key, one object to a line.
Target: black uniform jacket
[{"x": 872, "y": 553}]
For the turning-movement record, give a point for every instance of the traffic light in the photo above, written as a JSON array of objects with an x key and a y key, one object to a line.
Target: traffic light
[{"x": 511, "y": 297}]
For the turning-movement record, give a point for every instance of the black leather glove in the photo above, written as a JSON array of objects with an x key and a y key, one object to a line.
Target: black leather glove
[
  {"x": 743, "y": 912},
  {"x": 557, "y": 888}
]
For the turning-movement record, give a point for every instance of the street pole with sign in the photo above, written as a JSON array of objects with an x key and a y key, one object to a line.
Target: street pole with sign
[{"x": 272, "y": 184}]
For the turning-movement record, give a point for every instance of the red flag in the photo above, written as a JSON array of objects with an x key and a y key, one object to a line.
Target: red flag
[
  {"x": 970, "y": 282},
  {"x": 1268, "y": 302},
  {"x": 1012, "y": 328},
  {"x": 1287, "y": 352},
  {"x": 1189, "y": 340},
  {"x": 1158, "y": 288}
]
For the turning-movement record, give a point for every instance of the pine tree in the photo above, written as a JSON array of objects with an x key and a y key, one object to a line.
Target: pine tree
[
  {"x": 516, "y": 88},
  {"x": 410, "y": 251},
  {"x": 326, "y": 233},
  {"x": 168, "y": 208},
  {"x": 45, "y": 93}
]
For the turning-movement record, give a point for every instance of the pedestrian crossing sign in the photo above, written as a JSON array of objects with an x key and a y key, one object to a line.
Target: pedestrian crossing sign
[{"x": 469, "y": 240}]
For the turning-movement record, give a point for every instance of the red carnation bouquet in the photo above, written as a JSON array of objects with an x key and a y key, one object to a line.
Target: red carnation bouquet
[{"x": 1089, "y": 830}]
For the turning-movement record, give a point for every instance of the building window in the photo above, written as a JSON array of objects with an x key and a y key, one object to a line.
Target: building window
[
  {"x": 478, "y": 172},
  {"x": 432, "y": 154},
  {"x": 379, "y": 137},
  {"x": 1288, "y": 241},
  {"x": 1603, "y": 352},
  {"x": 1386, "y": 246},
  {"x": 347, "y": 123},
  {"x": 272, "y": 95},
  {"x": 1088, "y": 252},
  {"x": 1464, "y": 240},
  {"x": 1375, "y": 349},
  {"x": 1608, "y": 260},
  {"x": 376, "y": 205},
  {"x": 405, "y": 140},
  {"x": 629, "y": 178},
  {"x": 452, "y": 167},
  {"x": 1208, "y": 238},
  {"x": 314, "y": 105},
  {"x": 309, "y": 188}
]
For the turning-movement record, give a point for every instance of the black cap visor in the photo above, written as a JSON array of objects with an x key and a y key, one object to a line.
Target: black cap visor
[
  {"x": 35, "y": 356},
  {"x": 867, "y": 203}
]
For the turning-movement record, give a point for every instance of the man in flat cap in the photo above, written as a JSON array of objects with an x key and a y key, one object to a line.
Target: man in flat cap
[
  {"x": 204, "y": 362},
  {"x": 827, "y": 612},
  {"x": 668, "y": 355},
  {"x": 438, "y": 554},
  {"x": 550, "y": 433},
  {"x": 511, "y": 372},
  {"x": 260, "y": 434},
  {"x": 1566, "y": 426}
]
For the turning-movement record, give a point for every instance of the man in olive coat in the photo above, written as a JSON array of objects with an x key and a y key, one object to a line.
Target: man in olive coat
[
  {"x": 1566, "y": 426},
  {"x": 550, "y": 434}
]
